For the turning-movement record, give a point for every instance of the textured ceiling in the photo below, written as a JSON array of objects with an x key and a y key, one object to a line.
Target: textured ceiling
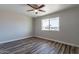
[{"x": 22, "y": 8}]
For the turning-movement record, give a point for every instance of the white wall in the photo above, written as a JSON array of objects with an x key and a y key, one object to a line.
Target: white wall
[
  {"x": 14, "y": 26},
  {"x": 69, "y": 27}
]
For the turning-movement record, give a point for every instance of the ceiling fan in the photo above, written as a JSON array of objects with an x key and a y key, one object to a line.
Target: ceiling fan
[{"x": 36, "y": 7}]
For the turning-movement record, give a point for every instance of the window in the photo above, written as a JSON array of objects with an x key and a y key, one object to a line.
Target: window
[
  {"x": 51, "y": 24},
  {"x": 45, "y": 24}
]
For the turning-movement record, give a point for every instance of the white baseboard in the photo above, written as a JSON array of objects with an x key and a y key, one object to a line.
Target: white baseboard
[
  {"x": 15, "y": 39},
  {"x": 59, "y": 41}
]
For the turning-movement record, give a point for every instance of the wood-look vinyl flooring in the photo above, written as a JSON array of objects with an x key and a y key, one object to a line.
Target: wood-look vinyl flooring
[{"x": 36, "y": 45}]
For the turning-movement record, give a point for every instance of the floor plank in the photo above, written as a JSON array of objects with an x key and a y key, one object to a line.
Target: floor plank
[{"x": 35, "y": 45}]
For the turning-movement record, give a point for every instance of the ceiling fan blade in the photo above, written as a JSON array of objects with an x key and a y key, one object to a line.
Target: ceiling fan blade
[
  {"x": 32, "y": 6},
  {"x": 41, "y": 6},
  {"x": 30, "y": 10},
  {"x": 42, "y": 10},
  {"x": 35, "y": 6}
]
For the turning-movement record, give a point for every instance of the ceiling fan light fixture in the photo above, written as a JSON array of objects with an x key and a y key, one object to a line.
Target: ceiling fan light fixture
[{"x": 36, "y": 11}]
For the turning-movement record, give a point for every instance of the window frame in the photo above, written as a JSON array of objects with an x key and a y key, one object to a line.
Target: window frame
[{"x": 49, "y": 24}]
